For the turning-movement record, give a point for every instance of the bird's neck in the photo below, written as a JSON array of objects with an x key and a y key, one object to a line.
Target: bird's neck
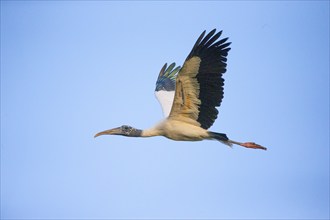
[
  {"x": 135, "y": 133},
  {"x": 151, "y": 132}
]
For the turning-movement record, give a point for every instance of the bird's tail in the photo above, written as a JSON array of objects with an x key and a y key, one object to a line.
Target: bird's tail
[{"x": 220, "y": 137}]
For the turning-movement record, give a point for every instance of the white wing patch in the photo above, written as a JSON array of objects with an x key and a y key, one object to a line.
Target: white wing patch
[{"x": 165, "y": 99}]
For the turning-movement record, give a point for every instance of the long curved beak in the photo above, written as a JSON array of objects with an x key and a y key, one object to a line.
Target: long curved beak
[{"x": 109, "y": 132}]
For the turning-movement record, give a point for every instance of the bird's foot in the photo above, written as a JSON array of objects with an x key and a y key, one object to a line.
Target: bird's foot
[{"x": 253, "y": 145}]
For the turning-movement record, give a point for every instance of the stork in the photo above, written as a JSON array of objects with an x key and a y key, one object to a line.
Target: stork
[{"x": 189, "y": 96}]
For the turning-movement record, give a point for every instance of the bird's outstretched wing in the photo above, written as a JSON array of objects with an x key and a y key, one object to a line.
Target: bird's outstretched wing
[
  {"x": 199, "y": 84},
  {"x": 165, "y": 87}
]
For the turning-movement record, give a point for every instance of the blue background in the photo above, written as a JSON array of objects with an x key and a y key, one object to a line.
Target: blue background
[{"x": 70, "y": 69}]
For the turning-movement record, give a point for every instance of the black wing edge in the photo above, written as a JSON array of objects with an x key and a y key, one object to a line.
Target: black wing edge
[{"x": 166, "y": 78}]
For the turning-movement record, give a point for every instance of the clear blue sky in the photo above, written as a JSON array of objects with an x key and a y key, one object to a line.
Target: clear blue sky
[{"x": 72, "y": 68}]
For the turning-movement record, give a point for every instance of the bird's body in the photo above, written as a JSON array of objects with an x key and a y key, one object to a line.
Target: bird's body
[
  {"x": 189, "y": 96},
  {"x": 177, "y": 130}
]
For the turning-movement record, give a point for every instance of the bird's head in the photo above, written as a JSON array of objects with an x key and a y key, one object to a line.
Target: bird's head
[{"x": 124, "y": 130}]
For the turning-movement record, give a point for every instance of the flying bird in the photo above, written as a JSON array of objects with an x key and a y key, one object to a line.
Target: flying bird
[{"x": 189, "y": 96}]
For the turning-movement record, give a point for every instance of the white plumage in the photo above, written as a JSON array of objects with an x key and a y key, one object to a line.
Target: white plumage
[{"x": 165, "y": 99}]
